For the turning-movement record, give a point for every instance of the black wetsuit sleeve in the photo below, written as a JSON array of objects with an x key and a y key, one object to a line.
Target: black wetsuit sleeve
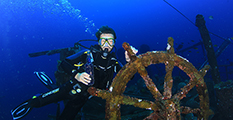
[
  {"x": 68, "y": 64},
  {"x": 67, "y": 67},
  {"x": 118, "y": 66}
]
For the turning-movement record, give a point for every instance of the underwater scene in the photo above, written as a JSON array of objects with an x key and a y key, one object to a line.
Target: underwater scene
[{"x": 172, "y": 60}]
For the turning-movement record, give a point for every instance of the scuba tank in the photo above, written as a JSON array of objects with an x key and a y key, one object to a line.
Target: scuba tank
[{"x": 89, "y": 67}]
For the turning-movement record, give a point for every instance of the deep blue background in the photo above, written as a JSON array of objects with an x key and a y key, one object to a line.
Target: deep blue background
[{"x": 28, "y": 26}]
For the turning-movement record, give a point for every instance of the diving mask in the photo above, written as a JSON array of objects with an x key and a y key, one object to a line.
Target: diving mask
[{"x": 105, "y": 41}]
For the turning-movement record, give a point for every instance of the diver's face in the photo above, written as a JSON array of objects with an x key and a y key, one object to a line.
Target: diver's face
[{"x": 106, "y": 41}]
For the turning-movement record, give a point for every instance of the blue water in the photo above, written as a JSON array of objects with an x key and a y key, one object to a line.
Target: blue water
[{"x": 31, "y": 26}]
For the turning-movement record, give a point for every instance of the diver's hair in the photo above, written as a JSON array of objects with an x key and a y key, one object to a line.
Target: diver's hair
[{"x": 105, "y": 29}]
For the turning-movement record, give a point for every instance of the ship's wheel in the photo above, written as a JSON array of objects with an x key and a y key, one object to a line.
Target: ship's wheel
[{"x": 165, "y": 106}]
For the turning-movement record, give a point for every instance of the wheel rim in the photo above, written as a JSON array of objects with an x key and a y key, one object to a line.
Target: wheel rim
[{"x": 166, "y": 105}]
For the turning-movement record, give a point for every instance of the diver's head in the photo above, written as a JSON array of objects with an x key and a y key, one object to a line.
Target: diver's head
[{"x": 106, "y": 38}]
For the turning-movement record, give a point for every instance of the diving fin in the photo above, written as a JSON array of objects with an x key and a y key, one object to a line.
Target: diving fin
[
  {"x": 46, "y": 80},
  {"x": 22, "y": 110}
]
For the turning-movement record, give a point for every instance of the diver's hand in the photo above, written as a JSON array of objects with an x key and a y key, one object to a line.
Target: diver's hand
[
  {"x": 135, "y": 51},
  {"x": 83, "y": 78}
]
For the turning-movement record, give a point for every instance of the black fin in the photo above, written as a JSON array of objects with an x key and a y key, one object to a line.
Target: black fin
[
  {"x": 22, "y": 110},
  {"x": 46, "y": 80}
]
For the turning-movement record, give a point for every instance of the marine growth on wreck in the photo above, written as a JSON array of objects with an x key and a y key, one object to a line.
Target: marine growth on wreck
[{"x": 165, "y": 105}]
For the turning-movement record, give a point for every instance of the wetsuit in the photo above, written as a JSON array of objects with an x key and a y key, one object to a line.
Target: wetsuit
[{"x": 104, "y": 69}]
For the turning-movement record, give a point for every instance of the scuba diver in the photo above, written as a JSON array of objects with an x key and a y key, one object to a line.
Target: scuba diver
[{"x": 97, "y": 66}]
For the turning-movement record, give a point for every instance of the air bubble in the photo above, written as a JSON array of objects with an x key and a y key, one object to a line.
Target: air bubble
[{"x": 50, "y": 7}]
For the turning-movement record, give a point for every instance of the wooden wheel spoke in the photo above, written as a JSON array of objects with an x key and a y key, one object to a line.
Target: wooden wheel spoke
[
  {"x": 136, "y": 102},
  {"x": 184, "y": 91},
  {"x": 187, "y": 110},
  {"x": 152, "y": 87},
  {"x": 168, "y": 81}
]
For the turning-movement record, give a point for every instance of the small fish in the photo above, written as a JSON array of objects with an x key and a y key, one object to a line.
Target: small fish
[
  {"x": 232, "y": 38},
  {"x": 215, "y": 45},
  {"x": 211, "y": 17},
  {"x": 231, "y": 63},
  {"x": 192, "y": 41},
  {"x": 195, "y": 48}
]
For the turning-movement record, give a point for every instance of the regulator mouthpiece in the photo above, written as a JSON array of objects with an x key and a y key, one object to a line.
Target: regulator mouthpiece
[{"x": 105, "y": 53}]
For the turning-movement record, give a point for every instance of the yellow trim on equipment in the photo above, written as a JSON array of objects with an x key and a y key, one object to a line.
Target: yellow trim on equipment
[
  {"x": 78, "y": 65},
  {"x": 73, "y": 70},
  {"x": 73, "y": 92},
  {"x": 85, "y": 52},
  {"x": 103, "y": 57}
]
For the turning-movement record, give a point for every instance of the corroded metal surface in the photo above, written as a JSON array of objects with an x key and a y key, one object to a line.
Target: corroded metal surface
[{"x": 165, "y": 106}]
